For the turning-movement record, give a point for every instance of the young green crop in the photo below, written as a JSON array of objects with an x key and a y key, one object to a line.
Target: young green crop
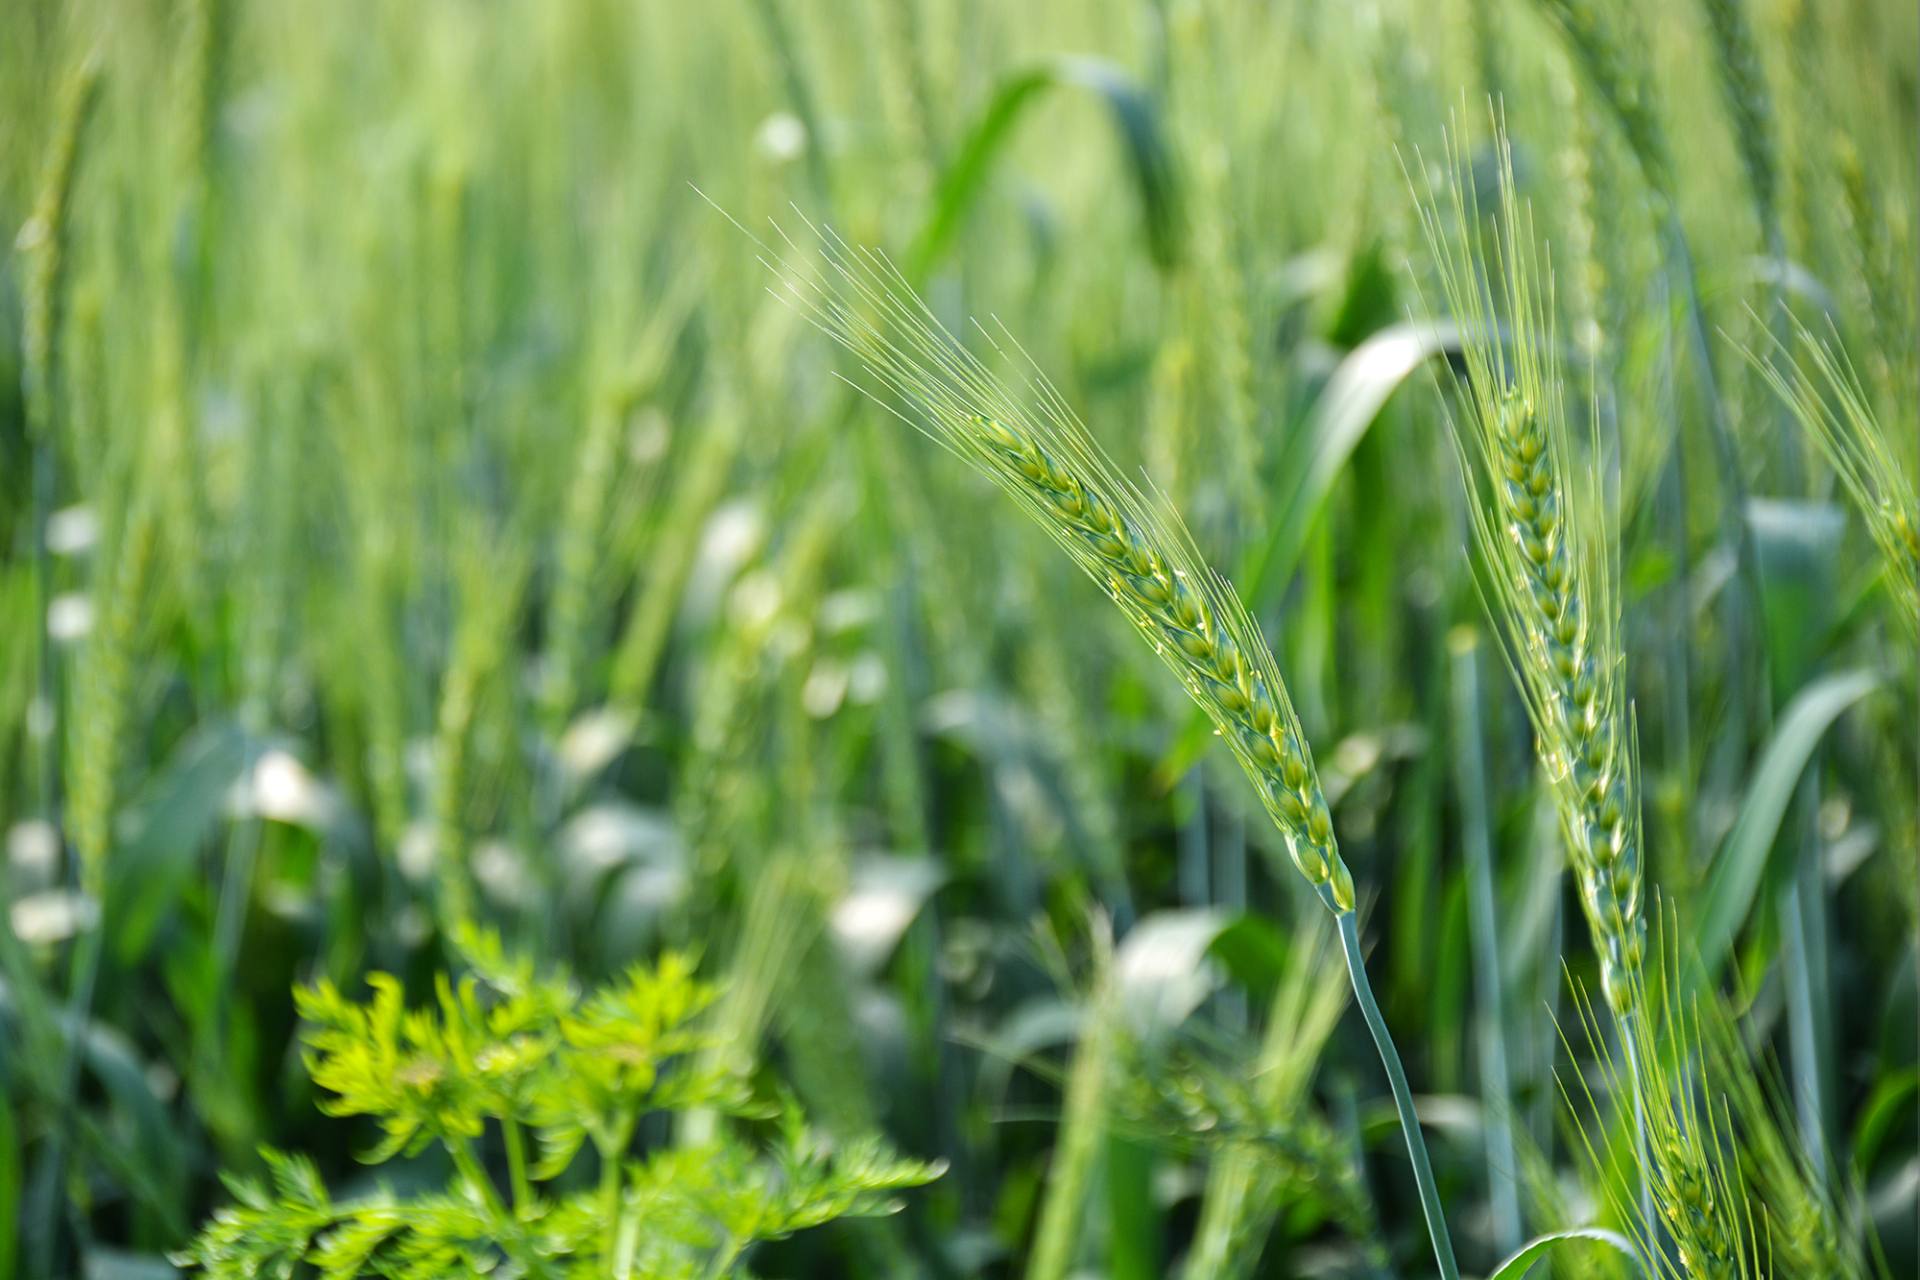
[{"x": 1134, "y": 546}]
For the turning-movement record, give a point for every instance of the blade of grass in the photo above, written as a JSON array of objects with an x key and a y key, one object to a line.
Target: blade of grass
[
  {"x": 1741, "y": 862},
  {"x": 1136, "y": 119},
  {"x": 1535, "y": 1251}
]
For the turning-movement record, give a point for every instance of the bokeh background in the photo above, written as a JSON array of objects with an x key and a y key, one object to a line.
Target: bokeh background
[{"x": 415, "y": 506}]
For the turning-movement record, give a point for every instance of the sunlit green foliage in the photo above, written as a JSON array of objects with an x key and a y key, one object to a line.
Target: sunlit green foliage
[{"x": 506, "y": 1052}]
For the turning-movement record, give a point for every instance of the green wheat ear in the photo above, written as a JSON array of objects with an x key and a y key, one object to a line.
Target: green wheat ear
[
  {"x": 1697, "y": 1139},
  {"x": 1551, "y": 576},
  {"x": 1136, "y": 547}
]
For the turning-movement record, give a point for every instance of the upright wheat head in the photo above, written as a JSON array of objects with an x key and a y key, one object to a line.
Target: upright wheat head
[{"x": 1551, "y": 572}]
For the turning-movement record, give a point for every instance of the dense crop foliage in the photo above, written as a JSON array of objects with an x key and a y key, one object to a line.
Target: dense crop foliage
[{"x": 519, "y": 757}]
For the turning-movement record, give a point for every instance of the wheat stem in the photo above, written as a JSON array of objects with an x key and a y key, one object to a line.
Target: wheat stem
[
  {"x": 1402, "y": 1098},
  {"x": 1477, "y": 845},
  {"x": 1082, "y": 1129}
]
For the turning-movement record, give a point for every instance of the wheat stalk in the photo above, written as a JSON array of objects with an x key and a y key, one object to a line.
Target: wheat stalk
[
  {"x": 1083, "y": 1123},
  {"x": 1538, "y": 523},
  {"x": 1030, "y": 443}
]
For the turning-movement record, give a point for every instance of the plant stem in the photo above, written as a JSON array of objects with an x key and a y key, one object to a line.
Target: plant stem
[
  {"x": 610, "y": 1154},
  {"x": 1641, "y": 1156},
  {"x": 512, "y": 1240},
  {"x": 724, "y": 1257},
  {"x": 476, "y": 1177},
  {"x": 517, "y": 1165},
  {"x": 1470, "y": 777},
  {"x": 626, "y": 1245},
  {"x": 1402, "y": 1098},
  {"x": 1076, "y": 1155}
]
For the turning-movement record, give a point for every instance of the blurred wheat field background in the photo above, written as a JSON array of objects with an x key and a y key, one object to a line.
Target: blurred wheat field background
[{"x": 439, "y": 542}]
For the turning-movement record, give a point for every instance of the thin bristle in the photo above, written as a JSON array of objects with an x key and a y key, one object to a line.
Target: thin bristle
[{"x": 1819, "y": 384}]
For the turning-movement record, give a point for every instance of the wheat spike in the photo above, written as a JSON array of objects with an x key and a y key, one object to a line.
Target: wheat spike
[
  {"x": 1551, "y": 570},
  {"x": 1031, "y": 444}
]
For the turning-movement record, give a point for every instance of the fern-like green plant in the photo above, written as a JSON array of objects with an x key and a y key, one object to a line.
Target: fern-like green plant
[{"x": 509, "y": 1052}]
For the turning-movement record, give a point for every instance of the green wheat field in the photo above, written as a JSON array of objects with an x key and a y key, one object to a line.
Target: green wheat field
[{"x": 959, "y": 638}]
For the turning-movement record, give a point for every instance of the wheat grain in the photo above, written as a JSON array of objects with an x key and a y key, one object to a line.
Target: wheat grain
[
  {"x": 1694, "y": 1170},
  {"x": 1552, "y": 581}
]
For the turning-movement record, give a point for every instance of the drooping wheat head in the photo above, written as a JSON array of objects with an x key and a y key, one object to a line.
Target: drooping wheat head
[
  {"x": 1031, "y": 444},
  {"x": 1551, "y": 572}
]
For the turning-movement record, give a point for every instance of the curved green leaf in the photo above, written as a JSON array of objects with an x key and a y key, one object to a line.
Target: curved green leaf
[
  {"x": 1352, "y": 399},
  {"x": 1348, "y": 406},
  {"x": 1160, "y": 971},
  {"x": 1890, "y": 1097},
  {"x": 1136, "y": 119},
  {"x": 1742, "y": 860},
  {"x": 1540, "y": 1246}
]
